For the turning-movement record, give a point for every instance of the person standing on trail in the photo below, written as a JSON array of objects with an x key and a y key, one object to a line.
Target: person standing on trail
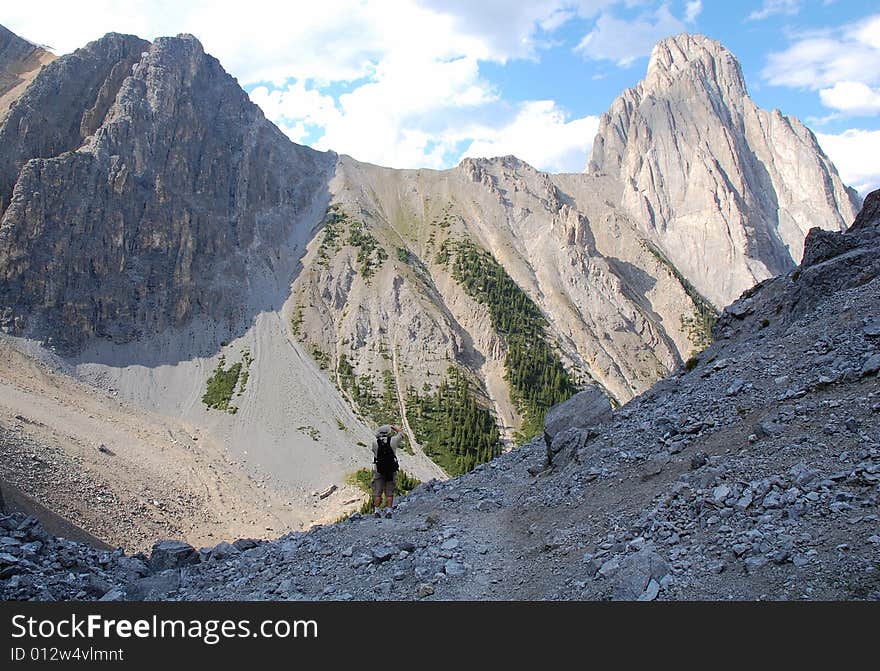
[{"x": 385, "y": 466}]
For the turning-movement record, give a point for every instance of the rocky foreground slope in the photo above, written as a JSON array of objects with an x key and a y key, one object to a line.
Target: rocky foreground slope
[{"x": 752, "y": 473}]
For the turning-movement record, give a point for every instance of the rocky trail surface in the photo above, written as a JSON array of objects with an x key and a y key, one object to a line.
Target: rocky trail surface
[{"x": 751, "y": 473}]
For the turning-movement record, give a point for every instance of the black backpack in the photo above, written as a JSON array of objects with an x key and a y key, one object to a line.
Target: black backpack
[{"x": 386, "y": 460}]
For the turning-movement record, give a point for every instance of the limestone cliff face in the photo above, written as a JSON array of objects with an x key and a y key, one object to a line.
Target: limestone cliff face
[
  {"x": 65, "y": 104},
  {"x": 728, "y": 191},
  {"x": 148, "y": 189},
  {"x": 20, "y": 61}
]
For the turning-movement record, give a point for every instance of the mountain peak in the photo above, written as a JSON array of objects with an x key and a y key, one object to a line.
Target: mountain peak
[
  {"x": 707, "y": 173},
  {"x": 683, "y": 53}
]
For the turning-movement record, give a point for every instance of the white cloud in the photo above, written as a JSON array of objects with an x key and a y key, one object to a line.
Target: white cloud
[
  {"x": 509, "y": 27},
  {"x": 264, "y": 40},
  {"x": 853, "y": 98},
  {"x": 692, "y": 11},
  {"x": 773, "y": 7},
  {"x": 855, "y": 153},
  {"x": 624, "y": 41},
  {"x": 405, "y": 116},
  {"x": 541, "y": 134},
  {"x": 821, "y": 60}
]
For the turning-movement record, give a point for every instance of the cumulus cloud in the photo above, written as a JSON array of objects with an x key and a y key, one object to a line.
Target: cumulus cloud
[
  {"x": 773, "y": 7},
  {"x": 541, "y": 134},
  {"x": 511, "y": 28},
  {"x": 853, "y": 98},
  {"x": 822, "y": 60},
  {"x": 405, "y": 116},
  {"x": 263, "y": 41},
  {"x": 855, "y": 152},
  {"x": 622, "y": 41}
]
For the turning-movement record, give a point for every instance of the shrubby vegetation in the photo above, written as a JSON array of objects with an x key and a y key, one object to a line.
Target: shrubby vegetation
[
  {"x": 310, "y": 431},
  {"x": 363, "y": 479},
  {"x": 370, "y": 256},
  {"x": 379, "y": 405},
  {"x": 223, "y": 382},
  {"x": 296, "y": 322},
  {"x": 221, "y": 386},
  {"x": 453, "y": 429},
  {"x": 535, "y": 373}
]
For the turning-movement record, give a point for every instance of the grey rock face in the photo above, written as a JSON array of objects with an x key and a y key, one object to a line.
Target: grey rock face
[
  {"x": 710, "y": 176},
  {"x": 636, "y": 574},
  {"x": 154, "y": 587},
  {"x": 832, "y": 262},
  {"x": 178, "y": 183},
  {"x": 65, "y": 104},
  {"x": 569, "y": 425}
]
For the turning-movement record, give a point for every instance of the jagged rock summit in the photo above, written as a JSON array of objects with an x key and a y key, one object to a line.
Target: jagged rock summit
[
  {"x": 148, "y": 190},
  {"x": 727, "y": 190}
]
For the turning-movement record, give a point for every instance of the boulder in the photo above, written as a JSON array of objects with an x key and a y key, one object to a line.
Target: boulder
[
  {"x": 382, "y": 553},
  {"x": 172, "y": 554},
  {"x": 223, "y": 551},
  {"x": 566, "y": 446},
  {"x": 636, "y": 573},
  {"x": 154, "y": 587},
  {"x": 585, "y": 410}
]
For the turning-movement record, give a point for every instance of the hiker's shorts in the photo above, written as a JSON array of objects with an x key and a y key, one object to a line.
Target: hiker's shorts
[{"x": 382, "y": 484}]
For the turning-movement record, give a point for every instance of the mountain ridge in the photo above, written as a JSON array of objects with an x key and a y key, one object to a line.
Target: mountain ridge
[{"x": 155, "y": 253}]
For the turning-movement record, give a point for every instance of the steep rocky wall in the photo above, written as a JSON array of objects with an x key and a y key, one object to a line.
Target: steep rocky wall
[
  {"x": 727, "y": 190},
  {"x": 180, "y": 192},
  {"x": 20, "y": 61},
  {"x": 64, "y": 104}
]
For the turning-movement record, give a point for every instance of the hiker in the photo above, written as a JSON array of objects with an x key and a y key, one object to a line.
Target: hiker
[{"x": 385, "y": 444}]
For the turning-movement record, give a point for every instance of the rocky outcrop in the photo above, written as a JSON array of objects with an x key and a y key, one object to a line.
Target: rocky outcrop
[
  {"x": 726, "y": 190},
  {"x": 65, "y": 104},
  {"x": 832, "y": 263},
  {"x": 586, "y": 409},
  {"x": 151, "y": 192},
  {"x": 20, "y": 61},
  {"x": 570, "y": 424}
]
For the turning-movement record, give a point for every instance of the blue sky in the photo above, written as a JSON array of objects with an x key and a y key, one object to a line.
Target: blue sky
[{"x": 423, "y": 83}]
